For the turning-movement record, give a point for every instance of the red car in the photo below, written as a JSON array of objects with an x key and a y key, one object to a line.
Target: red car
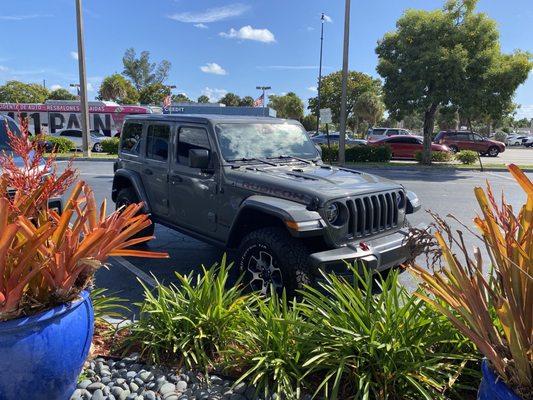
[
  {"x": 407, "y": 146},
  {"x": 463, "y": 140}
]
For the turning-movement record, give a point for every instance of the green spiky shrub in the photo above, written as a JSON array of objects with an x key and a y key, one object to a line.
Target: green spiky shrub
[
  {"x": 189, "y": 322},
  {"x": 385, "y": 345}
]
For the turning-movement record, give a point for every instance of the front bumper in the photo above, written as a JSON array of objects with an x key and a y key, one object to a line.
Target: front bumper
[{"x": 377, "y": 254}]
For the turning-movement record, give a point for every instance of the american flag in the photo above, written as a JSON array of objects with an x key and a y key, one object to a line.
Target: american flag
[
  {"x": 259, "y": 102},
  {"x": 167, "y": 101}
]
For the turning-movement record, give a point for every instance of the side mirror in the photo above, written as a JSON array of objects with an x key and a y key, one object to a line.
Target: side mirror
[{"x": 199, "y": 158}]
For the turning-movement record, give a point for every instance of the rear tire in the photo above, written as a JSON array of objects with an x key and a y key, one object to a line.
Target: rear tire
[
  {"x": 127, "y": 196},
  {"x": 454, "y": 149},
  {"x": 271, "y": 256},
  {"x": 98, "y": 148},
  {"x": 493, "y": 151}
]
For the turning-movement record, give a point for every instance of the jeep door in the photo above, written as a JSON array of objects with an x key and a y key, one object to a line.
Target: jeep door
[
  {"x": 192, "y": 191},
  {"x": 154, "y": 171}
]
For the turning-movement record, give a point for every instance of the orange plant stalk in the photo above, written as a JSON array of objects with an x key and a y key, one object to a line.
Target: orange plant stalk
[{"x": 46, "y": 258}]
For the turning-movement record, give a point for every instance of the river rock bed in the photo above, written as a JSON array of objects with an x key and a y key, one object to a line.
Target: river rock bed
[{"x": 129, "y": 379}]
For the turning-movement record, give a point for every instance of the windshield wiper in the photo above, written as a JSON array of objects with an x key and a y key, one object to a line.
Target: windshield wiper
[
  {"x": 284, "y": 157},
  {"x": 244, "y": 159}
]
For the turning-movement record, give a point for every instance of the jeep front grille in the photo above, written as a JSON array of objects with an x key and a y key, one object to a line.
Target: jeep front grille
[{"x": 375, "y": 213}]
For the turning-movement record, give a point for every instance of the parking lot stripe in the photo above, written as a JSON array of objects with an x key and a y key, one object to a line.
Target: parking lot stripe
[
  {"x": 143, "y": 276},
  {"x": 500, "y": 176}
]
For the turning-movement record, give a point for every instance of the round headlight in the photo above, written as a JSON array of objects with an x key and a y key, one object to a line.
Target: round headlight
[{"x": 332, "y": 212}]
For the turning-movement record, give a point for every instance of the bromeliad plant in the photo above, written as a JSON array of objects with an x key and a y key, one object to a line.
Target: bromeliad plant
[
  {"x": 46, "y": 258},
  {"x": 495, "y": 312}
]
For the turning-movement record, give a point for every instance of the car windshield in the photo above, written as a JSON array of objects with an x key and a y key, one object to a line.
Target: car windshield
[{"x": 263, "y": 140}]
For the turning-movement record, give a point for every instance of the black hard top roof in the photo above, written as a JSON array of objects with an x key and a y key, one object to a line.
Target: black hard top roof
[{"x": 206, "y": 118}]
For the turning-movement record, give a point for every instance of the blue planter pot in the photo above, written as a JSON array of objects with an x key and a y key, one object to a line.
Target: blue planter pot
[
  {"x": 493, "y": 388},
  {"x": 41, "y": 356}
]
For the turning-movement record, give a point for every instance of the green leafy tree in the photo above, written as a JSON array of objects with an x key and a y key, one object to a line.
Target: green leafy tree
[
  {"x": 369, "y": 107},
  {"x": 230, "y": 100},
  {"x": 153, "y": 94},
  {"x": 447, "y": 117},
  {"x": 309, "y": 122},
  {"x": 141, "y": 71},
  {"x": 117, "y": 88},
  {"x": 413, "y": 121},
  {"x": 287, "y": 106},
  {"x": 247, "y": 101},
  {"x": 203, "y": 99},
  {"x": 447, "y": 57},
  {"x": 180, "y": 98},
  {"x": 61, "y": 94},
  {"x": 19, "y": 92},
  {"x": 330, "y": 93}
]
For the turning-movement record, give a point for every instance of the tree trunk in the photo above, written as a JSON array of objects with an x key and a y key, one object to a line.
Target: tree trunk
[{"x": 429, "y": 125}]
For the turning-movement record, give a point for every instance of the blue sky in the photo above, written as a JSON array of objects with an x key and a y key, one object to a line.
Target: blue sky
[{"x": 217, "y": 46}]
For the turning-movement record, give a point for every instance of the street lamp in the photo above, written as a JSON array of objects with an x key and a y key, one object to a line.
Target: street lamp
[
  {"x": 342, "y": 130},
  {"x": 77, "y": 86},
  {"x": 263, "y": 88},
  {"x": 84, "y": 104},
  {"x": 322, "y": 20}
]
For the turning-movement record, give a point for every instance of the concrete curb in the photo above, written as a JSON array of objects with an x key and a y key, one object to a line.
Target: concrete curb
[{"x": 424, "y": 168}]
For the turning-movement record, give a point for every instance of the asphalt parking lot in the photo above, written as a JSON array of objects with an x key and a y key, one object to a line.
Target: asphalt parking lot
[
  {"x": 516, "y": 154},
  {"x": 445, "y": 191}
]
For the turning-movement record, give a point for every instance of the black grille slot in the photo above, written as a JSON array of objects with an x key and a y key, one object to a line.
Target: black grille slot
[{"x": 372, "y": 214}]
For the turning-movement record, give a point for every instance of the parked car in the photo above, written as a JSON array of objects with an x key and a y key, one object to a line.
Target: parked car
[
  {"x": 527, "y": 141},
  {"x": 258, "y": 187},
  {"x": 464, "y": 140},
  {"x": 374, "y": 134},
  {"x": 75, "y": 135},
  {"x": 515, "y": 140},
  {"x": 406, "y": 147},
  {"x": 334, "y": 138}
]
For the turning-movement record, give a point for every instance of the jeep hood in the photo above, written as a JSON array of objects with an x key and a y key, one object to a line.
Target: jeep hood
[{"x": 307, "y": 182}]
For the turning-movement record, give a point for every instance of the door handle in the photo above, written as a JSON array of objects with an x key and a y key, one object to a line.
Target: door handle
[{"x": 148, "y": 171}]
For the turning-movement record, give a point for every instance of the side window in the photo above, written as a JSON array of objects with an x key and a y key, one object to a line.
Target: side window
[
  {"x": 190, "y": 138},
  {"x": 131, "y": 138},
  {"x": 462, "y": 137},
  {"x": 392, "y": 132},
  {"x": 157, "y": 140}
]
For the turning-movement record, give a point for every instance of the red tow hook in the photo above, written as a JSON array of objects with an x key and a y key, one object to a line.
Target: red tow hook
[{"x": 364, "y": 246}]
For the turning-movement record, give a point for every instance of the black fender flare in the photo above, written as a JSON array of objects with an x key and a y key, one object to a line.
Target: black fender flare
[
  {"x": 134, "y": 181},
  {"x": 285, "y": 211}
]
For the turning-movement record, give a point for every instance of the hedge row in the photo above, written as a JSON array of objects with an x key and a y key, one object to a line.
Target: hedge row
[
  {"x": 110, "y": 145},
  {"x": 357, "y": 153}
]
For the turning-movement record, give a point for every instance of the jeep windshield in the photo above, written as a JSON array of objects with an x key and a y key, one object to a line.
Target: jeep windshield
[{"x": 248, "y": 142}]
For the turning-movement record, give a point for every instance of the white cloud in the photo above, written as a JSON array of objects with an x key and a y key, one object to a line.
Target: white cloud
[
  {"x": 312, "y": 89},
  {"x": 249, "y": 33},
  {"x": 90, "y": 87},
  {"x": 525, "y": 111},
  {"x": 214, "y": 94},
  {"x": 3, "y": 68},
  {"x": 213, "y": 68},
  {"x": 201, "y": 26},
  {"x": 327, "y": 18},
  {"x": 55, "y": 87},
  {"x": 23, "y": 17},
  {"x": 310, "y": 28},
  {"x": 211, "y": 14},
  {"x": 74, "y": 55}
]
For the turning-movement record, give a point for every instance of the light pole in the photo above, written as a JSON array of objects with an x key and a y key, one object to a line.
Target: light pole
[
  {"x": 263, "y": 88},
  {"x": 322, "y": 19},
  {"x": 342, "y": 130},
  {"x": 84, "y": 105}
]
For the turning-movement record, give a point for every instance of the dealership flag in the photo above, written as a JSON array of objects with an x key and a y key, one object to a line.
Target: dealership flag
[
  {"x": 167, "y": 101},
  {"x": 260, "y": 101}
]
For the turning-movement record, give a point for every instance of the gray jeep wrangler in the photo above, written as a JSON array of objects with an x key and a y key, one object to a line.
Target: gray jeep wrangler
[{"x": 258, "y": 188}]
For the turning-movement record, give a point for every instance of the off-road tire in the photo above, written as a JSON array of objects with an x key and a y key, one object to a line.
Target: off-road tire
[
  {"x": 289, "y": 254},
  {"x": 493, "y": 151},
  {"x": 127, "y": 196}
]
